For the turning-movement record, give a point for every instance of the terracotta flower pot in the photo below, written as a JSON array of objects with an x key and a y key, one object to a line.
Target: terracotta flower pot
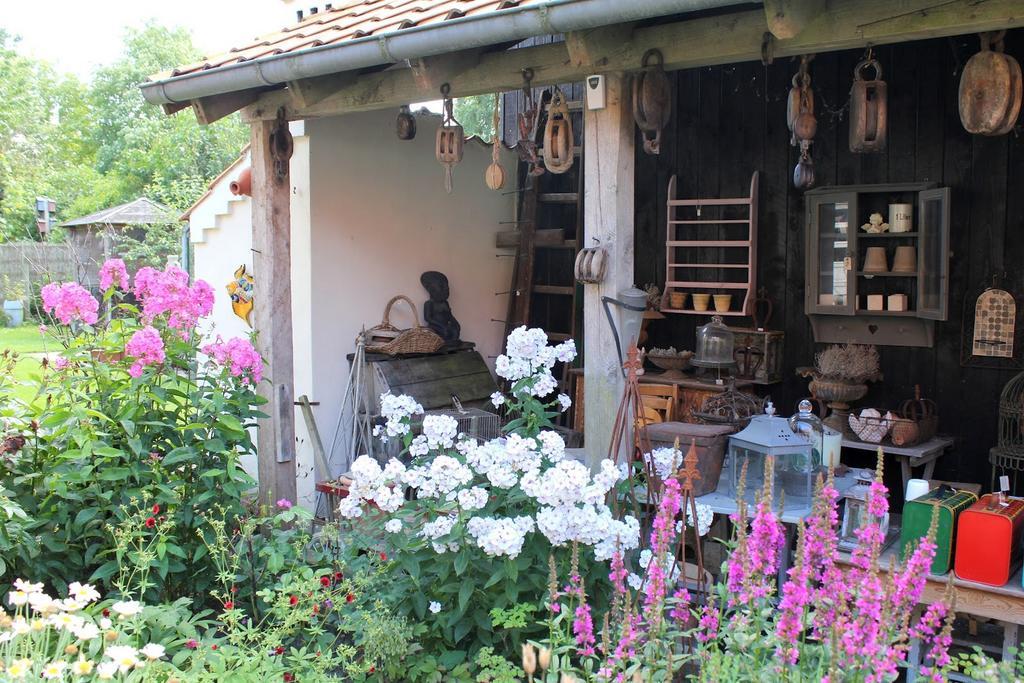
[
  {"x": 723, "y": 302},
  {"x": 701, "y": 301},
  {"x": 242, "y": 185},
  {"x": 677, "y": 300}
]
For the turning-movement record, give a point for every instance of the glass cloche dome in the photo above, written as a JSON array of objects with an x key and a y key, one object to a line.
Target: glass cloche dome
[{"x": 714, "y": 345}]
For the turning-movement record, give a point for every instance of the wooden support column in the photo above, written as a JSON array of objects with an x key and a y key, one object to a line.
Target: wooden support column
[
  {"x": 608, "y": 217},
  {"x": 271, "y": 242}
]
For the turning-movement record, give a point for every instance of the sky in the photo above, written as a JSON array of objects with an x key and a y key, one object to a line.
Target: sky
[{"x": 76, "y": 36}]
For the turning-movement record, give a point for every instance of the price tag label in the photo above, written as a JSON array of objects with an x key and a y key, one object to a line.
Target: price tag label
[{"x": 1004, "y": 483}]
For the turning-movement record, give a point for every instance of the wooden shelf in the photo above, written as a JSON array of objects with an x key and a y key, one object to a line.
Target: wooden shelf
[
  {"x": 744, "y": 296},
  {"x": 884, "y": 235},
  {"x": 711, "y": 311},
  {"x": 888, "y": 314},
  {"x": 861, "y": 273}
]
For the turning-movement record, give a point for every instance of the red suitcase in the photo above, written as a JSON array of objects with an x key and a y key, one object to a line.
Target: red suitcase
[{"x": 988, "y": 540}]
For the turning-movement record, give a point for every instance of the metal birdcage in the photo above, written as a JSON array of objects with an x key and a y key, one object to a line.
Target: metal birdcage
[{"x": 1008, "y": 453}]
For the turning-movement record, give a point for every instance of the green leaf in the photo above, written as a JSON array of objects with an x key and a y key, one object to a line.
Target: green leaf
[
  {"x": 105, "y": 571},
  {"x": 452, "y": 658},
  {"x": 461, "y": 562},
  {"x": 465, "y": 593}
]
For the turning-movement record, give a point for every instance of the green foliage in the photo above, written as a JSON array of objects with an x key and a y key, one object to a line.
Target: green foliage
[
  {"x": 476, "y": 114},
  {"x": 100, "y": 444},
  {"x": 93, "y": 145}
]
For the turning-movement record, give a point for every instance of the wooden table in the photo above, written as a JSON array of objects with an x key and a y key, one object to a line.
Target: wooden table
[
  {"x": 1002, "y": 604},
  {"x": 909, "y": 457}
]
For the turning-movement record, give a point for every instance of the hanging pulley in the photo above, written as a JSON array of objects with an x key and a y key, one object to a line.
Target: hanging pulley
[
  {"x": 529, "y": 118},
  {"x": 868, "y": 108},
  {"x": 558, "y": 138},
  {"x": 450, "y": 139},
  {"x": 405, "y": 124},
  {"x": 802, "y": 124},
  {"x": 652, "y": 99},
  {"x": 494, "y": 176}
]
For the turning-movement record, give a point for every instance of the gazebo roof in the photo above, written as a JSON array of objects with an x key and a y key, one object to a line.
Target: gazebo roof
[{"x": 139, "y": 211}]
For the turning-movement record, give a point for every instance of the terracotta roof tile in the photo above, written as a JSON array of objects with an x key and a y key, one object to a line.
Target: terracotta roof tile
[{"x": 348, "y": 21}]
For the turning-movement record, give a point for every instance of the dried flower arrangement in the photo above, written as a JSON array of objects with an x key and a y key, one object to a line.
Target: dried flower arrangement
[{"x": 850, "y": 362}]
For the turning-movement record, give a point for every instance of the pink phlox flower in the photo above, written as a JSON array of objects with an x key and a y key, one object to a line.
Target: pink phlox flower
[
  {"x": 113, "y": 272},
  {"x": 168, "y": 293},
  {"x": 147, "y": 348},
  {"x": 707, "y": 624},
  {"x": 284, "y": 504},
  {"x": 930, "y": 629},
  {"x": 680, "y": 612},
  {"x": 61, "y": 363},
  {"x": 239, "y": 356},
  {"x": 70, "y": 301}
]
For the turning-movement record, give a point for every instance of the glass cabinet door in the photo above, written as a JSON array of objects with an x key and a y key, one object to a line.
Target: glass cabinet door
[
  {"x": 933, "y": 254},
  {"x": 831, "y": 236}
]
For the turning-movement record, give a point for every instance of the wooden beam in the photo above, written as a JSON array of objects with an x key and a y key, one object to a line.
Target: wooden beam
[
  {"x": 608, "y": 217},
  {"x": 174, "y": 107},
  {"x": 589, "y": 50},
  {"x": 309, "y": 91},
  {"x": 216, "y": 107},
  {"x": 430, "y": 73},
  {"x": 787, "y": 18},
  {"x": 271, "y": 242},
  {"x": 722, "y": 39}
]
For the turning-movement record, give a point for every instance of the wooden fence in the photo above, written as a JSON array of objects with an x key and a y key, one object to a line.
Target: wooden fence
[{"x": 34, "y": 264}]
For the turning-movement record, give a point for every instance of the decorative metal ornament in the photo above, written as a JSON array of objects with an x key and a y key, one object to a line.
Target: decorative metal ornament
[
  {"x": 730, "y": 407},
  {"x": 405, "y": 124},
  {"x": 241, "y": 291},
  {"x": 558, "y": 137},
  {"x": 281, "y": 147},
  {"x": 652, "y": 100},
  {"x": 450, "y": 139},
  {"x": 869, "y": 109}
]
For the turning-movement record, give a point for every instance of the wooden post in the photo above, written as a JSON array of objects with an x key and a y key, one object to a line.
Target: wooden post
[
  {"x": 608, "y": 218},
  {"x": 271, "y": 242}
]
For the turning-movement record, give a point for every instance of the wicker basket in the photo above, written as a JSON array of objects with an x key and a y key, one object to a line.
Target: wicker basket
[{"x": 389, "y": 340}]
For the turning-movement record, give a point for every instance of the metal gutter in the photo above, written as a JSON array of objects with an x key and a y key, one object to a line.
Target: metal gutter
[{"x": 462, "y": 33}]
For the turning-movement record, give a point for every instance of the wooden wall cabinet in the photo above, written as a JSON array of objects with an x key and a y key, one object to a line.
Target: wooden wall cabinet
[{"x": 848, "y": 301}]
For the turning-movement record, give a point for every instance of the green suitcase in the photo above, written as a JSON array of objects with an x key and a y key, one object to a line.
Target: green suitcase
[{"x": 917, "y": 517}]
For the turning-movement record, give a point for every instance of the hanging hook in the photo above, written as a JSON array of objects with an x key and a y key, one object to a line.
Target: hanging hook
[{"x": 767, "y": 48}]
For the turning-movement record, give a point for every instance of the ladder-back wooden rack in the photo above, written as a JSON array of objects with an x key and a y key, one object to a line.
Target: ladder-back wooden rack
[{"x": 722, "y": 263}]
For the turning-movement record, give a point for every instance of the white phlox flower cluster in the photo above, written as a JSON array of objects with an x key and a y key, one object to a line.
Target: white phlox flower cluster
[
  {"x": 498, "y": 536},
  {"x": 441, "y": 476},
  {"x": 440, "y": 527},
  {"x": 668, "y": 564},
  {"x": 502, "y": 460},
  {"x": 440, "y": 430},
  {"x": 527, "y": 354},
  {"x": 552, "y": 446},
  {"x": 564, "y": 402},
  {"x": 370, "y": 483},
  {"x": 705, "y": 516},
  {"x": 396, "y": 410},
  {"x": 665, "y": 461},
  {"x": 471, "y": 499},
  {"x": 624, "y": 535},
  {"x": 393, "y": 526}
]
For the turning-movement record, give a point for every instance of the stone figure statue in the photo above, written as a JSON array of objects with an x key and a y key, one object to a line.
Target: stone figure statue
[{"x": 437, "y": 312}]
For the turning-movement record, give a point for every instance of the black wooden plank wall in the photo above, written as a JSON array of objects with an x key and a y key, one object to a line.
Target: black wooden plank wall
[{"x": 730, "y": 120}]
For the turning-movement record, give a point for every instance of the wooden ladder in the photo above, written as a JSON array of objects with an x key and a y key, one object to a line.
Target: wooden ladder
[{"x": 534, "y": 244}]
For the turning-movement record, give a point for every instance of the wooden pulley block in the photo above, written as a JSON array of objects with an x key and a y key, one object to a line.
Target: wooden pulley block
[
  {"x": 652, "y": 100},
  {"x": 869, "y": 109},
  {"x": 494, "y": 176},
  {"x": 990, "y": 89},
  {"x": 558, "y": 136},
  {"x": 800, "y": 110},
  {"x": 405, "y": 124},
  {"x": 450, "y": 139},
  {"x": 590, "y": 265}
]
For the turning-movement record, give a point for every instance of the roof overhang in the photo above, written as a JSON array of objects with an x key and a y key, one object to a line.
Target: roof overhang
[{"x": 463, "y": 33}]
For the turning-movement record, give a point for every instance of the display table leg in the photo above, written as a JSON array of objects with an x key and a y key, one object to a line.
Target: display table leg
[
  {"x": 1010, "y": 639},
  {"x": 914, "y": 656}
]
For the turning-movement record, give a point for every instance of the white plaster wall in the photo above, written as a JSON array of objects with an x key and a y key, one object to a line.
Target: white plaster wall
[
  {"x": 369, "y": 215},
  {"x": 380, "y": 218},
  {"x": 220, "y": 229}
]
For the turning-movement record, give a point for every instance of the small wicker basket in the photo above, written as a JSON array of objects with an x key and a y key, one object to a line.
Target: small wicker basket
[{"x": 389, "y": 340}]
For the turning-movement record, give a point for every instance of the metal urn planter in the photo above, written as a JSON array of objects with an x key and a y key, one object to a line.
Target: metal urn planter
[{"x": 838, "y": 394}]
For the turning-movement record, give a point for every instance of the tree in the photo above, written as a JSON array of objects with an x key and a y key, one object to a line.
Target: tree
[{"x": 476, "y": 114}]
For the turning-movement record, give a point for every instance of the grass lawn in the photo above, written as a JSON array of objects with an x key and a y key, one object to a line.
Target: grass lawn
[{"x": 25, "y": 340}]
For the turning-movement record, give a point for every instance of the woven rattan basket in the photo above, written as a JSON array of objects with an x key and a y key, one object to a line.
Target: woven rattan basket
[{"x": 389, "y": 340}]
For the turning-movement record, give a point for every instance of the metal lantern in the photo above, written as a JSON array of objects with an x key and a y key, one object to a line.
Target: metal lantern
[
  {"x": 1008, "y": 453},
  {"x": 856, "y": 514},
  {"x": 768, "y": 436}
]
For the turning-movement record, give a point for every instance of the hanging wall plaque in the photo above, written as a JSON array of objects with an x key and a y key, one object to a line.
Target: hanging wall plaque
[
  {"x": 991, "y": 330},
  {"x": 995, "y": 314}
]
